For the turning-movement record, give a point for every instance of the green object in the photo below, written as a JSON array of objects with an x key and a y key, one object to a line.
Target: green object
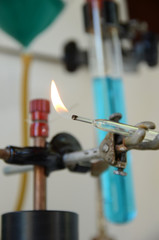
[{"x": 25, "y": 19}]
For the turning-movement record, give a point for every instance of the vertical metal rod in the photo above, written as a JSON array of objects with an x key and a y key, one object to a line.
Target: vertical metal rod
[
  {"x": 102, "y": 230},
  {"x": 39, "y": 180},
  {"x": 39, "y": 109}
]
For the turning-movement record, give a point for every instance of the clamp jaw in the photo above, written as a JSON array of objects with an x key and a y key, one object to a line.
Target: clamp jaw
[{"x": 114, "y": 147}]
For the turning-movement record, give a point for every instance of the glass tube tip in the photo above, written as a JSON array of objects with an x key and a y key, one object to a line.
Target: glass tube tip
[
  {"x": 74, "y": 117},
  {"x": 82, "y": 119}
]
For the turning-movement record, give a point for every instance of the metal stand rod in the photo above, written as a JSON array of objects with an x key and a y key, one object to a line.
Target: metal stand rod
[
  {"x": 39, "y": 109},
  {"x": 39, "y": 180},
  {"x": 36, "y": 56}
]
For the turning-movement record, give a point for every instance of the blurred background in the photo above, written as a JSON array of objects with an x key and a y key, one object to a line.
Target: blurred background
[{"x": 70, "y": 191}]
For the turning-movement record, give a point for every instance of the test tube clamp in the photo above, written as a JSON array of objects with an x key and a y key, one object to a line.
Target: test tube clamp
[{"x": 63, "y": 151}]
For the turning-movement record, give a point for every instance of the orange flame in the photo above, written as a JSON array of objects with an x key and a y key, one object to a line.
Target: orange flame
[{"x": 56, "y": 100}]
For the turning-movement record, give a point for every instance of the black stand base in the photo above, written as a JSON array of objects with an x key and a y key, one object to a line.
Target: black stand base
[{"x": 40, "y": 225}]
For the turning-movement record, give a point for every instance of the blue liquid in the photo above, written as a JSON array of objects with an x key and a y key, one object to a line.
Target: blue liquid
[{"x": 117, "y": 191}]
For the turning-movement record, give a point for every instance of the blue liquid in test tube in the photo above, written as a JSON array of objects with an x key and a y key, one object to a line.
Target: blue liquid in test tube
[
  {"x": 105, "y": 57},
  {"x": 117, "y": 191}
]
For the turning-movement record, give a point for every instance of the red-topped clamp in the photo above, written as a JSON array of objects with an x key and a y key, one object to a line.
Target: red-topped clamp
[{"x": 39, "y": 108}]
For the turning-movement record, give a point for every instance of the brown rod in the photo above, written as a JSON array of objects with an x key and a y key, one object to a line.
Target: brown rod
[
  {"x": 39, "y": 180},
  {"x": 4, "y": 154}
]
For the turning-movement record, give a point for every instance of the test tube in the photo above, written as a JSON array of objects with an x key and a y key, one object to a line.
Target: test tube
[
  {"x": 117, "y": 192},
  {"x": 121, "y": 209}
]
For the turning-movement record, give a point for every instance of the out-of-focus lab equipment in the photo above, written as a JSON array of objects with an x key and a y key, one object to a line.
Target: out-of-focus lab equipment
[
  {"x": 118, "y": 196},
  {"x": 24, "y": 21}
]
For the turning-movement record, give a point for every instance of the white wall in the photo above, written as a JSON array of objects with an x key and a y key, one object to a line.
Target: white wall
[{"x": 69, "y": 191}]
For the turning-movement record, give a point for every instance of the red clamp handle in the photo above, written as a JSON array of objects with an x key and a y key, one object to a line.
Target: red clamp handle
[{"x": 39, "y": 108}]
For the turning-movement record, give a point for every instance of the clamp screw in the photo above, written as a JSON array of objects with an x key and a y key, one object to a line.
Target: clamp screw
[
  {"x": 120, "y": 172},
  {"x": 105, "y": 148}
]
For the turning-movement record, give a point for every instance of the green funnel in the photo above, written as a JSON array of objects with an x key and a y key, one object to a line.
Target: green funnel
[{"x": 25, "y": 19}]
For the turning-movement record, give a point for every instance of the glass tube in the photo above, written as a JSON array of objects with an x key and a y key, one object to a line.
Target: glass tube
[
  {"x": 122, "y": 208},
  {"x": 117, "y": 191},
  {"x": 117, "y": 128}
]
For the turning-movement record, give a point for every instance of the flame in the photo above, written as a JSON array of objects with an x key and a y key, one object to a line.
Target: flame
[{"x": 56, "y": 100}]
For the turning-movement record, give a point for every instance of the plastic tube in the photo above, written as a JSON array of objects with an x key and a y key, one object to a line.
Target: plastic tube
[{"x": 26, "y": 60}]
